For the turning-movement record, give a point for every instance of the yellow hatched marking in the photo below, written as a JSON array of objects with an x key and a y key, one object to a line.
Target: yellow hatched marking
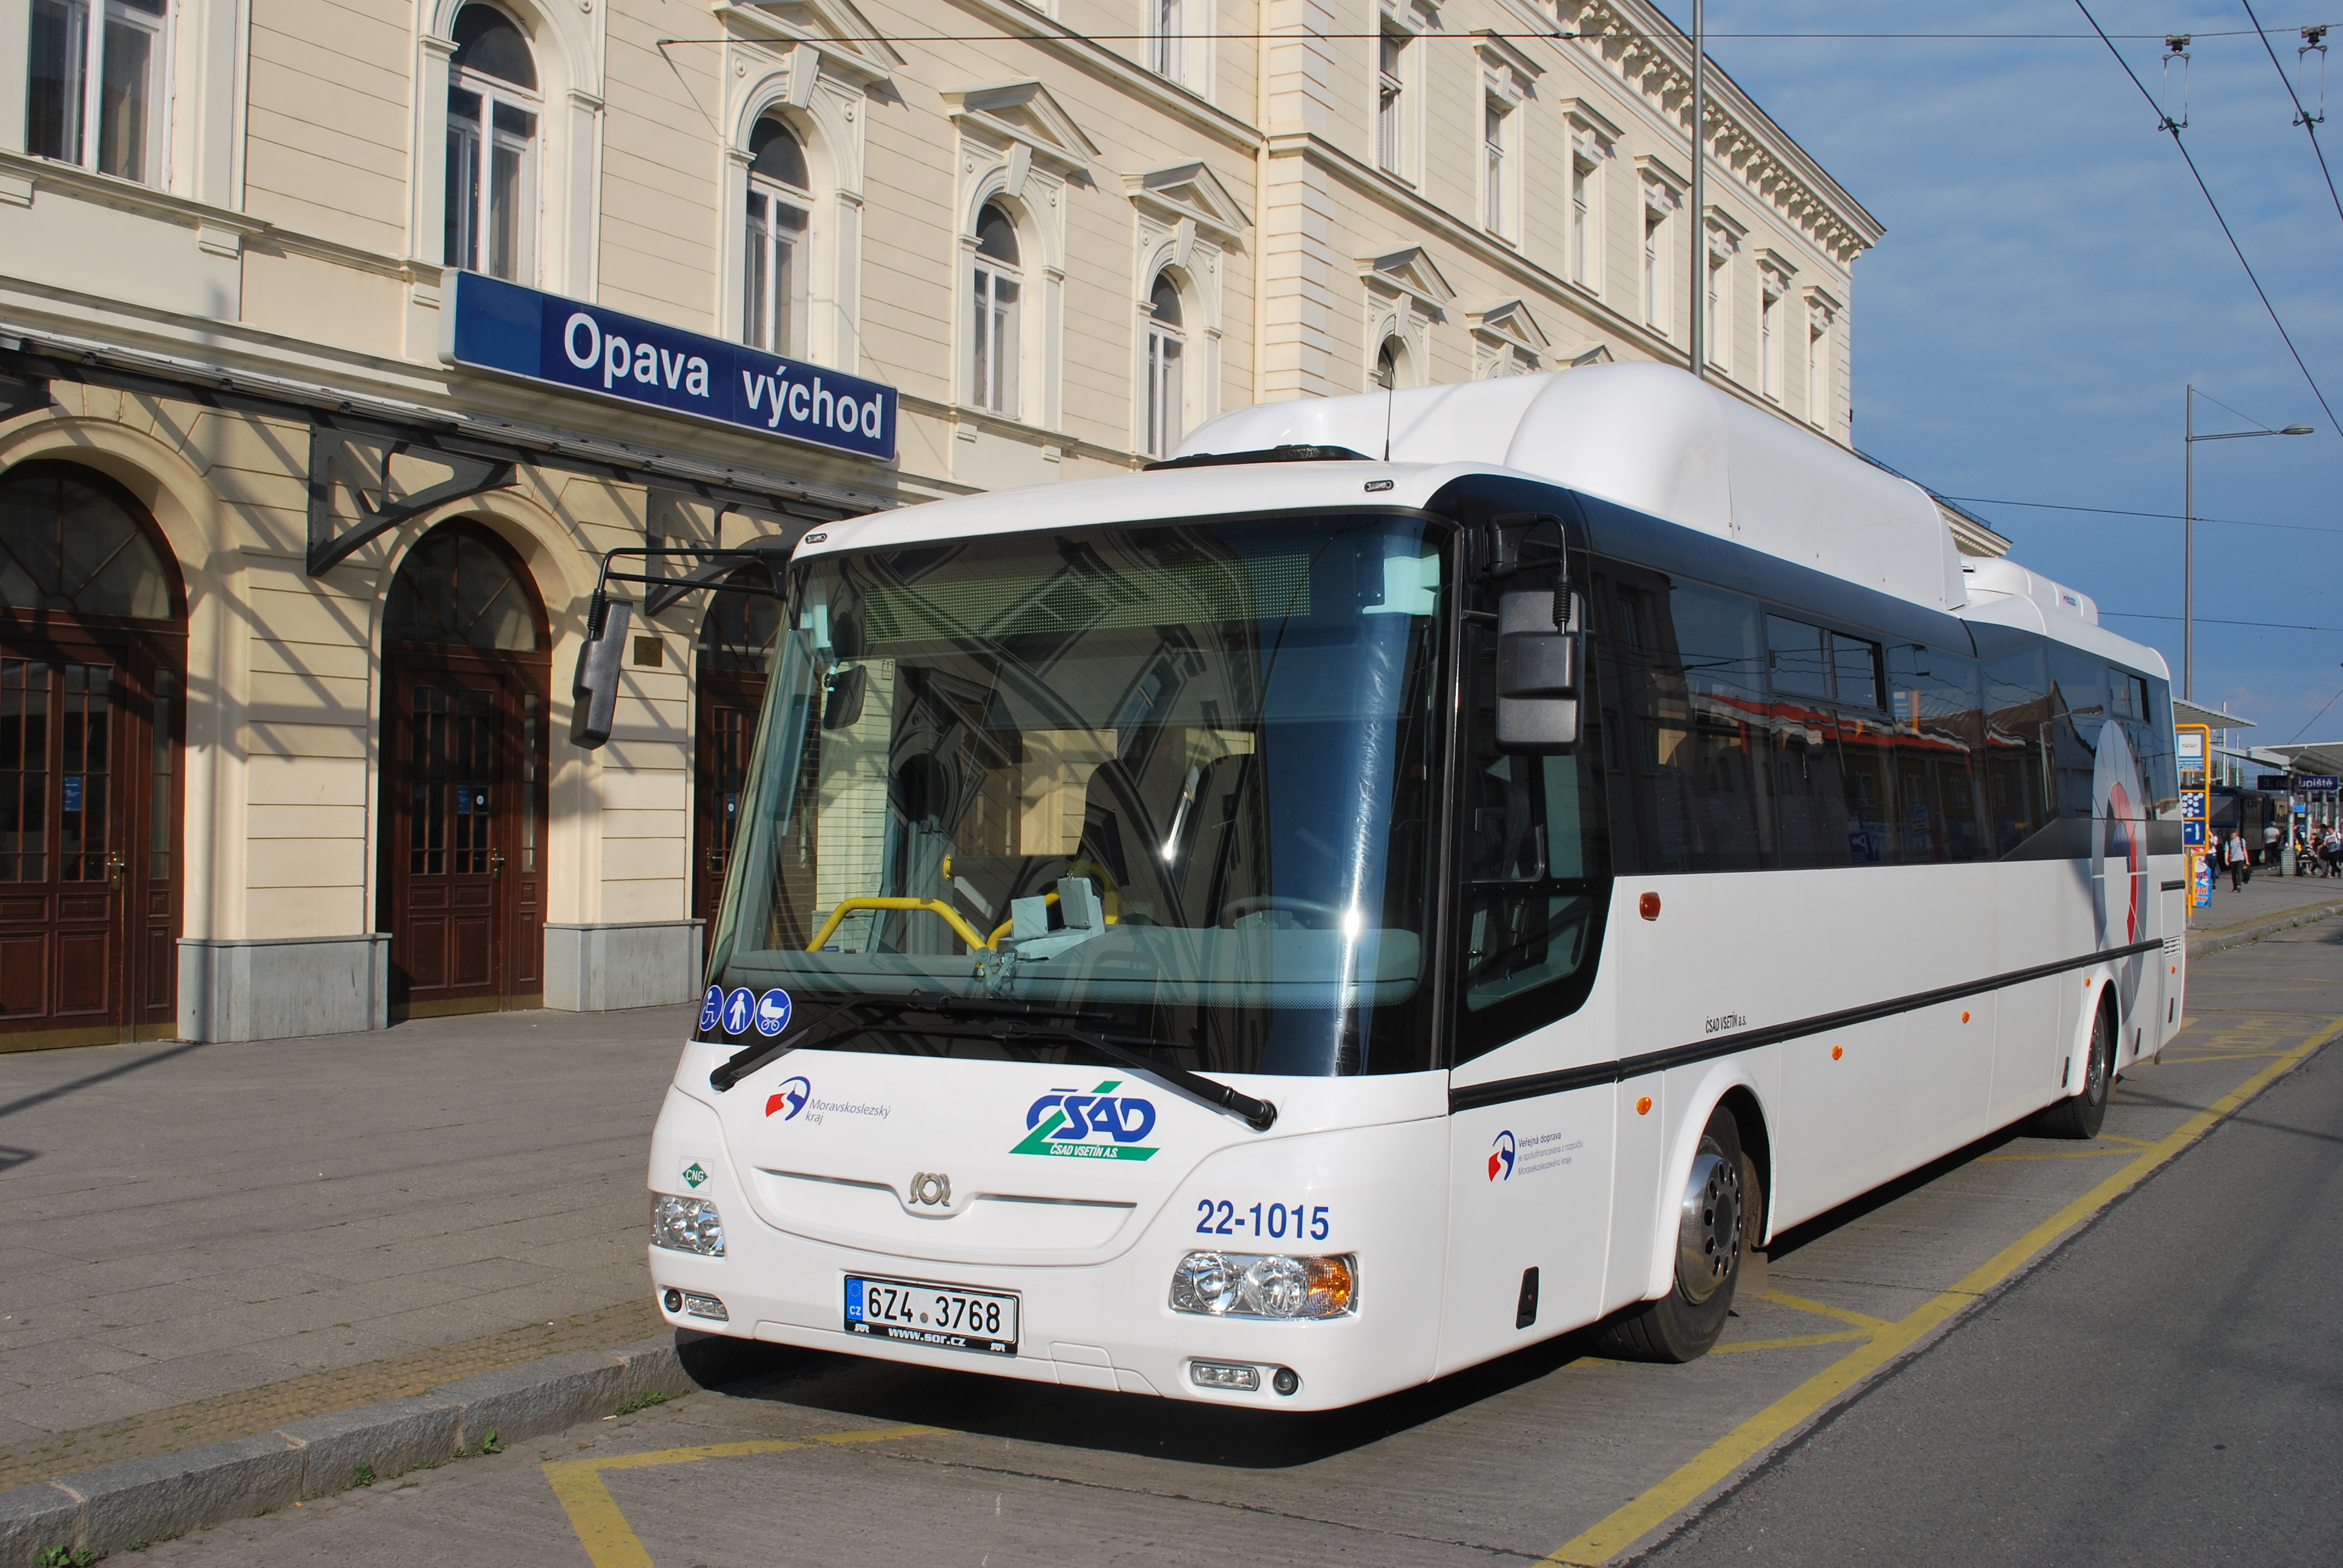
[
  {"x": 1824, "y": 1310},
  {"x": 2050, "y": 1154},
  {"x": 602, "y": 1529},
  {"x": 1840, "y": 1338},
  {"x": 1754, "y": 1436}
]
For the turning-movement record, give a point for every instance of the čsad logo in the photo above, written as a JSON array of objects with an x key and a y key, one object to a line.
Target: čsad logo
[
  {"x": 1500, "y": 1158},
  {"x": 793, "y": 1093}
]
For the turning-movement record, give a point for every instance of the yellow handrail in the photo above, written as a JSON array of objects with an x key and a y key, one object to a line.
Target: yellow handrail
[{"x": 952, "y": 917}]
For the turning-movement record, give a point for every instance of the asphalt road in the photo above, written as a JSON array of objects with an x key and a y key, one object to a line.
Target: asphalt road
[
  {"x": 2166, "y": 1389},
  {"x": 2153, "y": 1389}
]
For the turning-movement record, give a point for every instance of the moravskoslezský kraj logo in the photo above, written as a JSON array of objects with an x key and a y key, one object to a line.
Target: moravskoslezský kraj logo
[{"x": 1099, "y": 1125}]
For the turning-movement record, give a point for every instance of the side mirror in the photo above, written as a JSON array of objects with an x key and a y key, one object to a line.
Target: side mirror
[
  {"x": 595, "y": 688},
  {"x": 1537, "y": 672},
  {"x": 841, "y": 708}
]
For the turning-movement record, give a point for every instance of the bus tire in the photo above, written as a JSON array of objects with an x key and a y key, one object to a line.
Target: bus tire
[
  {"x": 2081, "y": 1114},
  {"x": 1712, "y": 1237}
]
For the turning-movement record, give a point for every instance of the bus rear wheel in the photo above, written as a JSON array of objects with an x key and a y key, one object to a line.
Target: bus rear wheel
[
  {"x": 1715, "y": 1231},
  {"x": 2081, "y": 1115}
]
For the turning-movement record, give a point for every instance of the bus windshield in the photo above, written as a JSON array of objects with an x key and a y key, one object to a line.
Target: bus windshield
[{"x": 1175, "y": 780}]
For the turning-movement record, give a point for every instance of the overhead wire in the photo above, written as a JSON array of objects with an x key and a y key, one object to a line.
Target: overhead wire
[
  {"x": 2301, "y": 115},
  {"x": 2164, "y": 123},
  {"x": 2127, "y": 512},
  {"x": 2208, "y": 620}
]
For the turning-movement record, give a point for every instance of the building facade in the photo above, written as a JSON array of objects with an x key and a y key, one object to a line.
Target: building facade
[{"x": 292, "y": 580}]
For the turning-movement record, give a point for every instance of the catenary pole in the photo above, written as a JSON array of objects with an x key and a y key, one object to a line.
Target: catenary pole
[
  {"x": 1695, "y": 355},
  {"x": 2188, "y": 550}
]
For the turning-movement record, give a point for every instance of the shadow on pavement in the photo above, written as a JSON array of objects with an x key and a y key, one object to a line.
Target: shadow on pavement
[
  {"x": 60, "y": 1090},
  {"x": 1157, "y": 1429}
]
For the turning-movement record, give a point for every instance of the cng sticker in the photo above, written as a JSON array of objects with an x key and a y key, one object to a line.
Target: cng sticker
[
  {"x": 694, "y": 1175},
  {"x": 1099, "y": 1125}
]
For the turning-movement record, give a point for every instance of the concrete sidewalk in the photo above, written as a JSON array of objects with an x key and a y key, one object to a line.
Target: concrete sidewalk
[
  {"x": 2269, "y": 897},
  {"x": 310, "y": 1224}
]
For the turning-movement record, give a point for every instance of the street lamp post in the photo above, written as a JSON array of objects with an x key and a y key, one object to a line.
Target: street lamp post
[
  {"x": 2188, "y": 532},
  {"x": 1697, "y": 318}
]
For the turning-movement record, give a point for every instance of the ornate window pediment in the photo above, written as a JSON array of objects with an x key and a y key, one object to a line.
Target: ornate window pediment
[
  {"x": 1408, "y": 275},
  {"x": 1189, "y": 191},
  {"x": 1507, "y": 339},
  {"x": 841, "y": 39},
  {"x": 1023, "y": 113}
]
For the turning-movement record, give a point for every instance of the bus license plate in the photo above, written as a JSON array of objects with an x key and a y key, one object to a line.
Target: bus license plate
[{"x": 923, "y": 1312}]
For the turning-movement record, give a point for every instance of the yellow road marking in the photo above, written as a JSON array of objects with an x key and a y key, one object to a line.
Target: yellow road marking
[
  {"x": 1840, "y": 1338},
  {"x": 1824, "y": 1310},
  {"x": 594, "y": 1513},
  {"x": 2050, "y": 1154},
  {"x": 1746, "y": 1442}
]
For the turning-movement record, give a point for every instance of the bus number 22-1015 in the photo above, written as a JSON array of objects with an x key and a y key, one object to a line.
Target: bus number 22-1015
[{"x": 1275, "y": 1222}]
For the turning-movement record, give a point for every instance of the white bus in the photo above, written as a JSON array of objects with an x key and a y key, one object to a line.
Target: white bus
[{"x": 1411, "y": 876}]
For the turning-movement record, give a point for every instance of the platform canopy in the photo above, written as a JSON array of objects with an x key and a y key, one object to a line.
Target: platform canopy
[
  {"x": 2186, "y": 712},
  {"x": 2310, "y": 756}
]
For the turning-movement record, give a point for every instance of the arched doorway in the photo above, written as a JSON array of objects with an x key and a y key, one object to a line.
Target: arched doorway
[
  {"x": 93, "y": 662},
  {"x": 466, "y": 677},
  {"x": 736, "y": 640}
]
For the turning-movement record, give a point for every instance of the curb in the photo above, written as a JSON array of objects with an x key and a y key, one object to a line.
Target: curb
[
  {"x": 2237, "y": 936},
  {"x": 135, "y": 1501}
]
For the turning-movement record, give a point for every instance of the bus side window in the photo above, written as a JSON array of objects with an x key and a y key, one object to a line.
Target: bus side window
[
  {"x": 1691, "y": 672},
  {"x": 2016, "y": 746},
  {"x": 1939, "y": 724},
  {"x": 2079, "y": 707},
  {"x": 1536, "y": 875}
]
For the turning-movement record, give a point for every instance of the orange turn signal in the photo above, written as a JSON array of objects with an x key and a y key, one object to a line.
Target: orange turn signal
[
  {"x": 1965, "y": 1018},
  {"x": 1648, "y": 906},
  {"x": 1837, "y": 1051},
  {"x": 1643, "y": 1106}
]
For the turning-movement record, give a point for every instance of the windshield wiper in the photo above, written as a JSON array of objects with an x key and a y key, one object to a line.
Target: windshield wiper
[
  {"x": 1259, "y": 1115},
  {"x": 743, "y": 1062}
]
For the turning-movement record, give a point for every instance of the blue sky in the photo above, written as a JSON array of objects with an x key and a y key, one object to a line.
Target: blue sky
[{"x": 2051, "y": 280}]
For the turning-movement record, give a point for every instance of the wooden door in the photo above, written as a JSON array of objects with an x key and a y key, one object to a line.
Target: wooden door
[
  {"x": 464, "y": 808},
  {"x": 88, "y": 891},
  {"x": 729, "y": 707}
]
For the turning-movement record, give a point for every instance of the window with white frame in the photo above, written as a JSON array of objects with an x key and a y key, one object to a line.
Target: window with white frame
[
  {"x": 996, "y": 326},
  {"x": 1818, "y": 369},
  {"x": 1583, "y": 217},
  {"x": 1655, "y": 265},
  {"x": 96, "y": 88},
  {"x": 780, "y": 198},
  {"x": 1712, "y": 322},
  {"x": 1769, "y": 340},
  {"x": 1165, "y": 395},
  {"x": 1168, "y": 42},
  {"x": 493, "y": 110},
  {"x": 1390, "y": 103},
  {"x": 1496, "y": 133}
]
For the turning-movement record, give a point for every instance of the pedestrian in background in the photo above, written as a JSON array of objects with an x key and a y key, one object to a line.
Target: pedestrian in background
[
  {"x": 2235, "y": 856},
  {"x": 2271, "y": 838}
]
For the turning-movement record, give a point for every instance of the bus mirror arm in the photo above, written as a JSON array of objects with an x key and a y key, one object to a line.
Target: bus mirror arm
[
  {"x": 1539, "y": 652},
  {"x": 595, "y": 688}
]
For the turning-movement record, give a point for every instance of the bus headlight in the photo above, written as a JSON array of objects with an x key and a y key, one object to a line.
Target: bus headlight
[
  {"x": 687, "y": 1225},
  {"x": 1265, "y": 1285}
]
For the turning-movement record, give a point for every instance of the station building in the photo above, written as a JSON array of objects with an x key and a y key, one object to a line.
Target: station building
[{"x": 340, "y": 338}]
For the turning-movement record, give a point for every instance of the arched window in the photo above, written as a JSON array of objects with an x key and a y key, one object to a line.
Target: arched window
[
  {"x": 71, "y": 543},
  {"x": 736, "y": 637},
  {"x": 1390, "y": 365},
  {"x": 456, "y": 588},
  {"x": 493, "y": 107},
  {"x": 996, "y": 336},
  {"x": 780, "y": 197},
  {"x": 1165, "y": 396}
]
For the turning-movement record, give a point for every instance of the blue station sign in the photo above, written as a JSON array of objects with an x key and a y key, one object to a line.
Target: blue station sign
[{"x": 497, "y": 325}]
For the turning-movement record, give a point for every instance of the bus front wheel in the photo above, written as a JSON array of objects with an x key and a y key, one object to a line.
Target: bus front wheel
[{"x": 1714, "y": 1233}]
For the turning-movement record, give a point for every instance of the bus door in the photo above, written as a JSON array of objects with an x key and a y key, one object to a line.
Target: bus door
[{"x": 1530, "y": 1178}]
